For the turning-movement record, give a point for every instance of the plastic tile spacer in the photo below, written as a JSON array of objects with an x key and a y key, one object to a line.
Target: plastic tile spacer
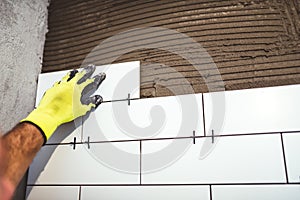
[
  {"x": 194, "y": 139},
  {"x": 74, "y": 143},
  {"x": 128, "y": 99},
  {"x": 88, "y": 142}
]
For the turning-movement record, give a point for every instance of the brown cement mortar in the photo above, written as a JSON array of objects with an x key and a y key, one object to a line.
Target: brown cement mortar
[{"x": 254, "y": 43}]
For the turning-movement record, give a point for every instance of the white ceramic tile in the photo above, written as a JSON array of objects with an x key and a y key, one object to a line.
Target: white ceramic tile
[
  {"x": 163, "y": 117},
  {"x": 291, "y": 143},
  {"x": 235, "y": 159},
  {"x": 101, "y": 164},
  {"x": 146, "y": 192},
  {"x": 253, "y": 110},
  {"x": 121, "y": 79},
  {"x": 53, "y": 192},
  {"x": 257, "y": 192}
]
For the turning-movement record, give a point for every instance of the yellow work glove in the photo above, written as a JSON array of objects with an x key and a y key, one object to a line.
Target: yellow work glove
[{"x": 66, "y": 100}]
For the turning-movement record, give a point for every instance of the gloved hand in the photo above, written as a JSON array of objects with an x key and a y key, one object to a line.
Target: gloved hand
[{"x": 66, "y": 100}]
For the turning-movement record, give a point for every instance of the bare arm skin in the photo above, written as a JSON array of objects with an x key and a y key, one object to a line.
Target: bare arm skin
[{"x": 20, "y": 145}]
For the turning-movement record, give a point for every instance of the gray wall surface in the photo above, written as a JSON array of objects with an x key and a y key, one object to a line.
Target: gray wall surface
[{"x": 23, "y": 26}]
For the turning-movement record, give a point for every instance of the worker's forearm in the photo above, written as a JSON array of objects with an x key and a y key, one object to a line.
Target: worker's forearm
[{"x": 21, "y": 145}]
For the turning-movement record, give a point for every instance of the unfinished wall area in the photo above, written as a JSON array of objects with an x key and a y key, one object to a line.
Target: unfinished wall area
[
  {"x": 23, "y": 26},
  {"x": 254, "y": 43}
]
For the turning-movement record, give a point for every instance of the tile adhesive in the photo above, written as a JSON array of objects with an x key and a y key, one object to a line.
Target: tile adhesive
[{"x": 253, "y": 43}]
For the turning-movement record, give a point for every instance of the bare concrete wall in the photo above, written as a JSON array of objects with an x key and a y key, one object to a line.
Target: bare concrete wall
[{"x": 23, "y": 26}]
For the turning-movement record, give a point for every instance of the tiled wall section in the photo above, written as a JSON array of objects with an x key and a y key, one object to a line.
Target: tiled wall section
[
  {"x": 260, "y": 110},
  {"x": 85, "y": 166},
  {"x": 164, "y": 117},
  {"x": 177, "y": 148},
  {"x": 247, "y": 159},
  {"x": 257, "y": 192},
  {"x": 200, "y": 192},
  {"x": 122, "y": 81},
  {"x": 53, "y": 192},
  {"x": 292, "y": 149},
  {"x": 145, "y": 192}
]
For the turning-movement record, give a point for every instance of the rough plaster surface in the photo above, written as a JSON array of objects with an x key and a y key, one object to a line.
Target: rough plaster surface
[{"x": 23, "y": 26}]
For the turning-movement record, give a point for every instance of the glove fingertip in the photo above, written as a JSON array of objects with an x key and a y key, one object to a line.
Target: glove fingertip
[
  {"x": 72, "y": 74},
  {"x": 86, "y": 73},
  {"x": 98, "y": 100},
  {"x": 99, "y": 78},
  {"x": 95, "y": 100}
]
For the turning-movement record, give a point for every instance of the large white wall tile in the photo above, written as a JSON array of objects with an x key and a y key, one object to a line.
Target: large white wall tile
[
  {"x": 164, "y": 117},
  {"x": 257, "y": 192},
  {"x": 235, "y": 159},
  {"x": 271, "y": 109},
  {"x": 53, "y": 192},
  {"x": 292, "y": 152},
  {"x": 121, "y": 79},
  {"x": 103, "y": 163},
  {"x": 146, "y": 192}
]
